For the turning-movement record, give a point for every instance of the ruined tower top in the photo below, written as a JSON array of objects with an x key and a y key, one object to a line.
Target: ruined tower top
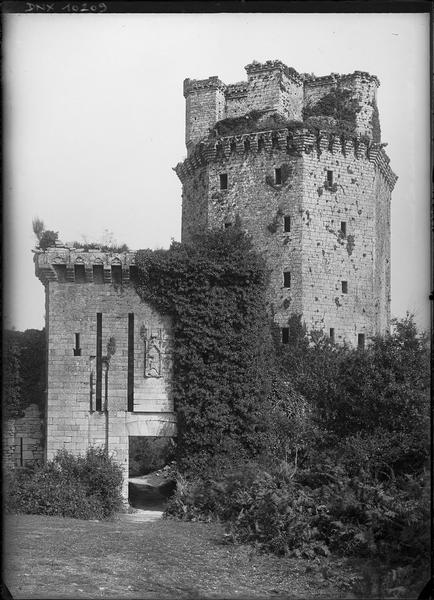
[{"x": 273, "y": 87}]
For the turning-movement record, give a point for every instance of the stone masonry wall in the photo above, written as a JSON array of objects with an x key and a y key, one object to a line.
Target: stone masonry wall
[
  {"x": 205, "y": 105},
  {"x": 72, "y": 419},
  {"x": 329, "y": 256},
  {"x": 382, "y": 252},
  {"x": 262, "y": 207},
  {"x": 336, "y": 192},
  {"x": 364, "y": 91},
  {"x": 23, "y": 439},
  {"x": 333, "y": 264}
]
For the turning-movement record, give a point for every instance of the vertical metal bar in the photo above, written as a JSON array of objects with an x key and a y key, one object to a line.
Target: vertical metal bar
[
  {"x": 130, "y": 381},
  {"x": 98, "y": 399}
]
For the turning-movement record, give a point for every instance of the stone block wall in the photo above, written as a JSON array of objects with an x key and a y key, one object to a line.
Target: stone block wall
[
  {"x": 364, "y": 91},
  {"x": 103, "y": 335},
  {"x": 336, "y": 192},
  {"x": 273, "y": 86},
  {"x": 23, "y": 439}
]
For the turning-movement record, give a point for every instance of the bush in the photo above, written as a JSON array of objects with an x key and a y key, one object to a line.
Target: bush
[
  {"x": 149, "y": 454},
  {"x": 82, "y": 487},
  {"x": 222, "y": 352}
]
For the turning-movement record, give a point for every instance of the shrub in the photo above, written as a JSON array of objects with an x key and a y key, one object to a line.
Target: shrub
[
  {"x": 48, "y": 239},
  {"x": 23, "y": 370},
  {"x": 82, "y": 487},
  {"x": 222, "y": 352},
  {"x": 149, "y": 454}
]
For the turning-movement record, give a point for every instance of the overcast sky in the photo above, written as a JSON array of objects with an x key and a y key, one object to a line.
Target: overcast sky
[{"x": 94, "y": 124}]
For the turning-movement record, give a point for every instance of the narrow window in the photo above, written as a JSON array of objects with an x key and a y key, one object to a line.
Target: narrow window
[
  {"x": 98, "y": 274},
  {"x": 116, "y": 274},
  {"x": 79, "y": 274},
  {"x": 287, "y": 224},
  {"x": 285, "y": 335},
  {"x": 278, "y": 176},
  {"x": 344, "y": 287},
  {"x": 287, "y": 279},
  {"x": 223, "y": 181},
  {"x": 21, "y": 452},
  {"x": 92, "y": 382},
  {"x": 98, "y": 391},
  {"x": 329, "y": 177},
  {"x": 130, "y": 377},
  {"x": 332, "y": 335},
  {"x": 361, "y": 341},
  {"x": 133, "y": 273},
  {"x": 60, "y": 272},
  {"x": 77, "y": 349},
  {"x": 343, "y": 228}
]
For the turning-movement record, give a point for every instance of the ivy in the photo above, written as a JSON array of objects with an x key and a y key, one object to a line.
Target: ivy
[
  {"x": 24, "y": 370},
  {"x": 214, "y": 289}
]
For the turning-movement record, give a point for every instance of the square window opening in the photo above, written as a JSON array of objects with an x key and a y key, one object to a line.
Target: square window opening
[
  {"x": 98, "y": 274},
  {"x": 223, "y": 181},
  {"x": 287, "y": 279},
  {"x": 79, "y": 274},
  {"x": 116, "y": 274},
  {"x": 60, "y": 272},
  {"x": 287, "y": 224},
  {"x": 227, "y": 225}
]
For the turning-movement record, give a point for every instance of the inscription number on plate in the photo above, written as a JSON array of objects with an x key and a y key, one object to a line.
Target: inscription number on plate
[{"x": 79, "y": 7}]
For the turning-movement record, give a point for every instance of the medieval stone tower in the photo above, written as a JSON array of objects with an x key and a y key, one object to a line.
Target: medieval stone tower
[{"x": 298, "y": 161}]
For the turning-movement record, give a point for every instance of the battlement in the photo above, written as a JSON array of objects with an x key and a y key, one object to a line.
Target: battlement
[
  {"x": 74, "y": 265},
  {"x": 194, "y": 85},
  {"x": 273, "y": 65},
  {"x": 275, "y": 87},
  {"x": 293, "y": 142},
  {"x": 337, "y": 78}
]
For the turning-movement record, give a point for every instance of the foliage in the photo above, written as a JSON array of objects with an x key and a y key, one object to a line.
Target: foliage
[
  {"x": 38, "y": 227},
  {"x": 82, "y": 487},
  {"x": 149, "y": 454},
  {"x": 114, "y": 248},
  {"x": 23, "y": 370},
  {"x": 256, "y": 120},
  {"x": 353, "y": 480},
  {"x": 339, "y": 104},
  {"x": 222, "y": 350},
  {"x": 48, "y": 239},
  {"x": 12, "y": 396}
]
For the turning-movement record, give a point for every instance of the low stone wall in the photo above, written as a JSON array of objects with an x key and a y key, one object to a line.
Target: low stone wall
[{"x": 23, "y": 439}]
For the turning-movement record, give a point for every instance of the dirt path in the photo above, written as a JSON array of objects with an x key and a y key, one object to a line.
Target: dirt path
[{"x": 51, "y": 557}]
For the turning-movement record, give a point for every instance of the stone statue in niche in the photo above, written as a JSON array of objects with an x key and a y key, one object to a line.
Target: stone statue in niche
[{"x": 153, "y": 352}]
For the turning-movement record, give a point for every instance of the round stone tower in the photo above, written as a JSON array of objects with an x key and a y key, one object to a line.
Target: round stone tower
[{"x": 298, "y": 161}]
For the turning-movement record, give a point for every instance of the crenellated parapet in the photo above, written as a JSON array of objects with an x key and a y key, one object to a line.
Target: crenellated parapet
[
  {"x": 237, "y": 90},
  {"x": 295, "y": 142},
  {"x": 195, "y": 85},
  {"x": 65, "y": 264},
  {"x": 255, "y": 68},
  {"x": 337, "y": 78}
]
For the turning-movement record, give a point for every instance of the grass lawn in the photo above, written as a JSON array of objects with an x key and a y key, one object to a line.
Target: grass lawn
[{"x": 51, "y": 557}]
